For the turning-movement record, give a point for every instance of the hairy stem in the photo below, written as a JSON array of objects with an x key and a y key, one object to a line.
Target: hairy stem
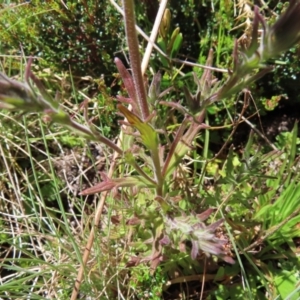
[{"x": 135, "y": 60}]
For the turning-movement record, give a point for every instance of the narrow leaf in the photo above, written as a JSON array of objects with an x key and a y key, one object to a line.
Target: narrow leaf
[{"x": 108, "y": 184}]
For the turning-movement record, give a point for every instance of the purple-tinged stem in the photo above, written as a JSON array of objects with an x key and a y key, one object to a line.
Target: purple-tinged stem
[{"x": 135, "y": 61}]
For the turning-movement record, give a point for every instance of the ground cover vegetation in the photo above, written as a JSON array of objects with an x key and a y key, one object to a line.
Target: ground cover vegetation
[{"x": 163, "y": 165}]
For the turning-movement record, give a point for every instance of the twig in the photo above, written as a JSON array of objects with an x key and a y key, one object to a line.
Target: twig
[
  {"x": 259, "y": 133},
  {"x": 153, "y": 35},
  {"x": 235, "y": 126}
]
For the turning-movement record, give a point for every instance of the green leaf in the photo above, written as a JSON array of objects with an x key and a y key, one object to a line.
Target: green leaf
[
  {"x": 174, "y": 35},
  {"x": 286, "y": 283},
  {"x": 148, "y": 134},
  {"x": 177, "y": 45},
  {"x": 163, "y": 59}
]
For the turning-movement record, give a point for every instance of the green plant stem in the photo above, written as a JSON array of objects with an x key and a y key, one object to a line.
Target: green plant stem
[
  {"x": 135, "y": 61},
  {"x": 64, "y": 119},
  {"x": 157, "y": 168},
  {"x": 109, "y": 143},
  {"x": 142, "y": 173},
  {"x": 178, "y": 136},
  {"x": 205, "y": 148}
]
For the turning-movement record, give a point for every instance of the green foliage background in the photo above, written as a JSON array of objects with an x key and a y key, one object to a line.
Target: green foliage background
[{"x": 80, "y": 36}]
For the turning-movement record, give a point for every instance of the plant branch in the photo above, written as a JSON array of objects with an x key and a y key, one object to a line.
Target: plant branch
[{"x": 135, "y": 61}]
